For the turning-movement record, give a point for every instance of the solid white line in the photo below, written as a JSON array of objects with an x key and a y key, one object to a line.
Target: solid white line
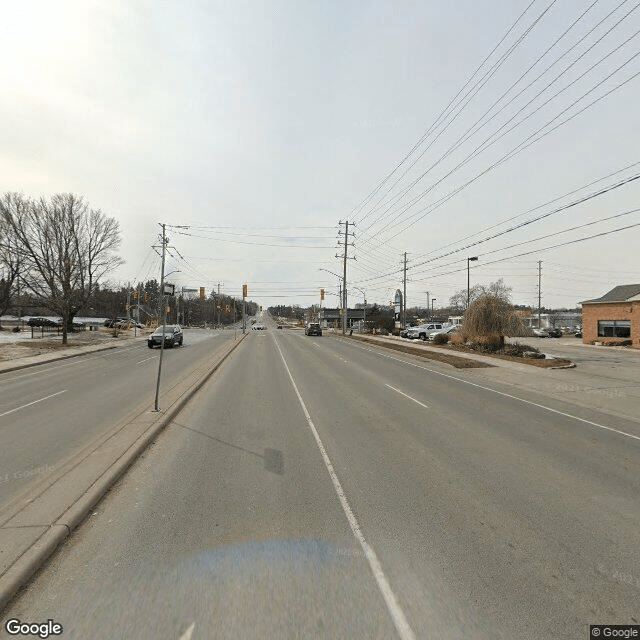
[
  {"x": 506, "y": 395},
  {"x": 70, "y": 364},
  {"x": 35, "y": 373},
  {"x": 146, "y": 359},
  {"x": 406, "y": 396},
  {"x": 6, "y": 413},
  {"x": 189, "y": 632},
  {"x": 397, "y": 615}
]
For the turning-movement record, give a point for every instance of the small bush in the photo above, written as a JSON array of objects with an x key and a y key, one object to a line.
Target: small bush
[
  {"x": 441, "y": 338},
  {"x": 517, "y": 349},
  {"x": 616, "y": 343},
  {"x": 457, "y": 338},
  {"x": 488, "y": 343}
]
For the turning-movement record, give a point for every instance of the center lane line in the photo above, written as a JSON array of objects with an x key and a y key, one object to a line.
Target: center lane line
[
  {"x": 397, "y": 615},
  {"x": 6, "y": 413},
  {"x": 146, "y": 359},
  {"x": 402, "y": 393}
]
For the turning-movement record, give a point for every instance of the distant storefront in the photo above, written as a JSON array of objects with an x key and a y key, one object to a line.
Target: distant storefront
[{"x": 614, "y": 317}]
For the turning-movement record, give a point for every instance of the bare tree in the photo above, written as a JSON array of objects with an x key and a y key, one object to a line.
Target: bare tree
[
  {"x": 498, "y": 288},
  {"x": 9, "y": 258},
  {"x": 491, "y": 318},
  {"x": 65, "y": 247}
]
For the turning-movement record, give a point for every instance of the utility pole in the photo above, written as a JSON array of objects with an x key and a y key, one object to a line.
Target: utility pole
[
  {"x": 404, "y": 294},
  {"x": 164, "y": 311},
  {"x": 344, "y": 272},
  {"x": 428, "y": 308},
  {"x": 539, "y": 290}
]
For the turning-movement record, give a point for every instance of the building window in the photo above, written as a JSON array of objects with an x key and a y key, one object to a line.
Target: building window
[{"x": 614, "y": 328}]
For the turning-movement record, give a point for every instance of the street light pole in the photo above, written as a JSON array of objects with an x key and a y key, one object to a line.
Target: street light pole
[
  {"x": 364, "y": 313},
  {"x": 469, "y": 260},
  {"x": 432, "y": 301}
]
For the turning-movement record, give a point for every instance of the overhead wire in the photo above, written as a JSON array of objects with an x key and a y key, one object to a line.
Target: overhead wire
[
  {"x": 478, "y": 84},
  {"x": 413, "y": 218}
]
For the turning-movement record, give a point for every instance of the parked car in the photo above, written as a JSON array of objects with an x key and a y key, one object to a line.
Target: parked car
[
  {"x": 405, "y": 331},
  {"x": 258, "y": 327},
  {"x": 313, "y": 329},
  {"x": 172, "y": 336},
  {"x": 423, "y": 331},
  {"x": 555, "y": 333},
  {"x": 578, "y": 333},
  {"x": 540, "y": 333},
  {"x": 447, "y": 330},
  {"x": 43, "y": 322}
]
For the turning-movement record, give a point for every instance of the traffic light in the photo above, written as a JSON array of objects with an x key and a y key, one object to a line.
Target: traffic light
[
  {"x": 201, "y": 293},
  {"x": 244, "y": 290},
  {"x": 227, "y": 308},
  {"x": 146, "y": 297},
  {"x": 134, "y": 294},
  {"x": 321, "y": 294}
]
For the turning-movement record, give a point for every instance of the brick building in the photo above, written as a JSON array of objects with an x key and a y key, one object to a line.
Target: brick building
[{"x": 613, "y": 317}]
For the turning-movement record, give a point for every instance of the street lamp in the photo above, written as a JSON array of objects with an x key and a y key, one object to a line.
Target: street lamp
[
  {"x": 341, "y": 295},
  {"x": 364, "y": 319},
  {"x": 469, "y": 278}
]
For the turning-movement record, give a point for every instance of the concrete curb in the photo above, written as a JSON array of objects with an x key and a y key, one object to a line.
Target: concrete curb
[{"x": 22, "y": 570}]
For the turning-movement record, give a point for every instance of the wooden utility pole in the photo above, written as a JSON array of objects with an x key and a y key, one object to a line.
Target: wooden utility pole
[
  {"x": 164, "y": 312},
  {"x": 346, "y": 243},
  {"x": 404, "y": 294}
]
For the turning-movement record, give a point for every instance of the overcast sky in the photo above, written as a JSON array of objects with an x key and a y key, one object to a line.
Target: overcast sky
[{"x": 262, "y": 124}]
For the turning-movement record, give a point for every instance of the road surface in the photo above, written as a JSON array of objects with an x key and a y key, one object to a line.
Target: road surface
[{"x": 321, "y": 488}]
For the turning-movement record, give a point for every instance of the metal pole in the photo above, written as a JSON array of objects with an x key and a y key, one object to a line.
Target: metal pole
[
  {"x": 164, "y": 314},
  {"x": 218, "y": 305},
  {"x": 539, "y": 290},
  {"x": 468, "y": 282},
  {"x": 364, "y": 319},
  {"x": 469, "y": 260}
]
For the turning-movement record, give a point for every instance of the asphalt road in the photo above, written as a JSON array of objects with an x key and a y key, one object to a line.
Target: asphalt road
[
  {"x": 320, "y": 488},
  {"x": 49, "y": 411}
]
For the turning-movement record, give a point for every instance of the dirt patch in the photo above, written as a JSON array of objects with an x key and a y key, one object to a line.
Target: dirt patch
[
  {"x": 51, "y": 342},
  {"x": 543, "y": 363},
  {"x": 455, "y": 361}
]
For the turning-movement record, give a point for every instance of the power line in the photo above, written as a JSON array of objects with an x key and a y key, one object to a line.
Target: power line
[{"x": 444, "y": 114}]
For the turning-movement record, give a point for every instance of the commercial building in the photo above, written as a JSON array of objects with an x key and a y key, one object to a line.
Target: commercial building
[{"x": 615, "y": 317}]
